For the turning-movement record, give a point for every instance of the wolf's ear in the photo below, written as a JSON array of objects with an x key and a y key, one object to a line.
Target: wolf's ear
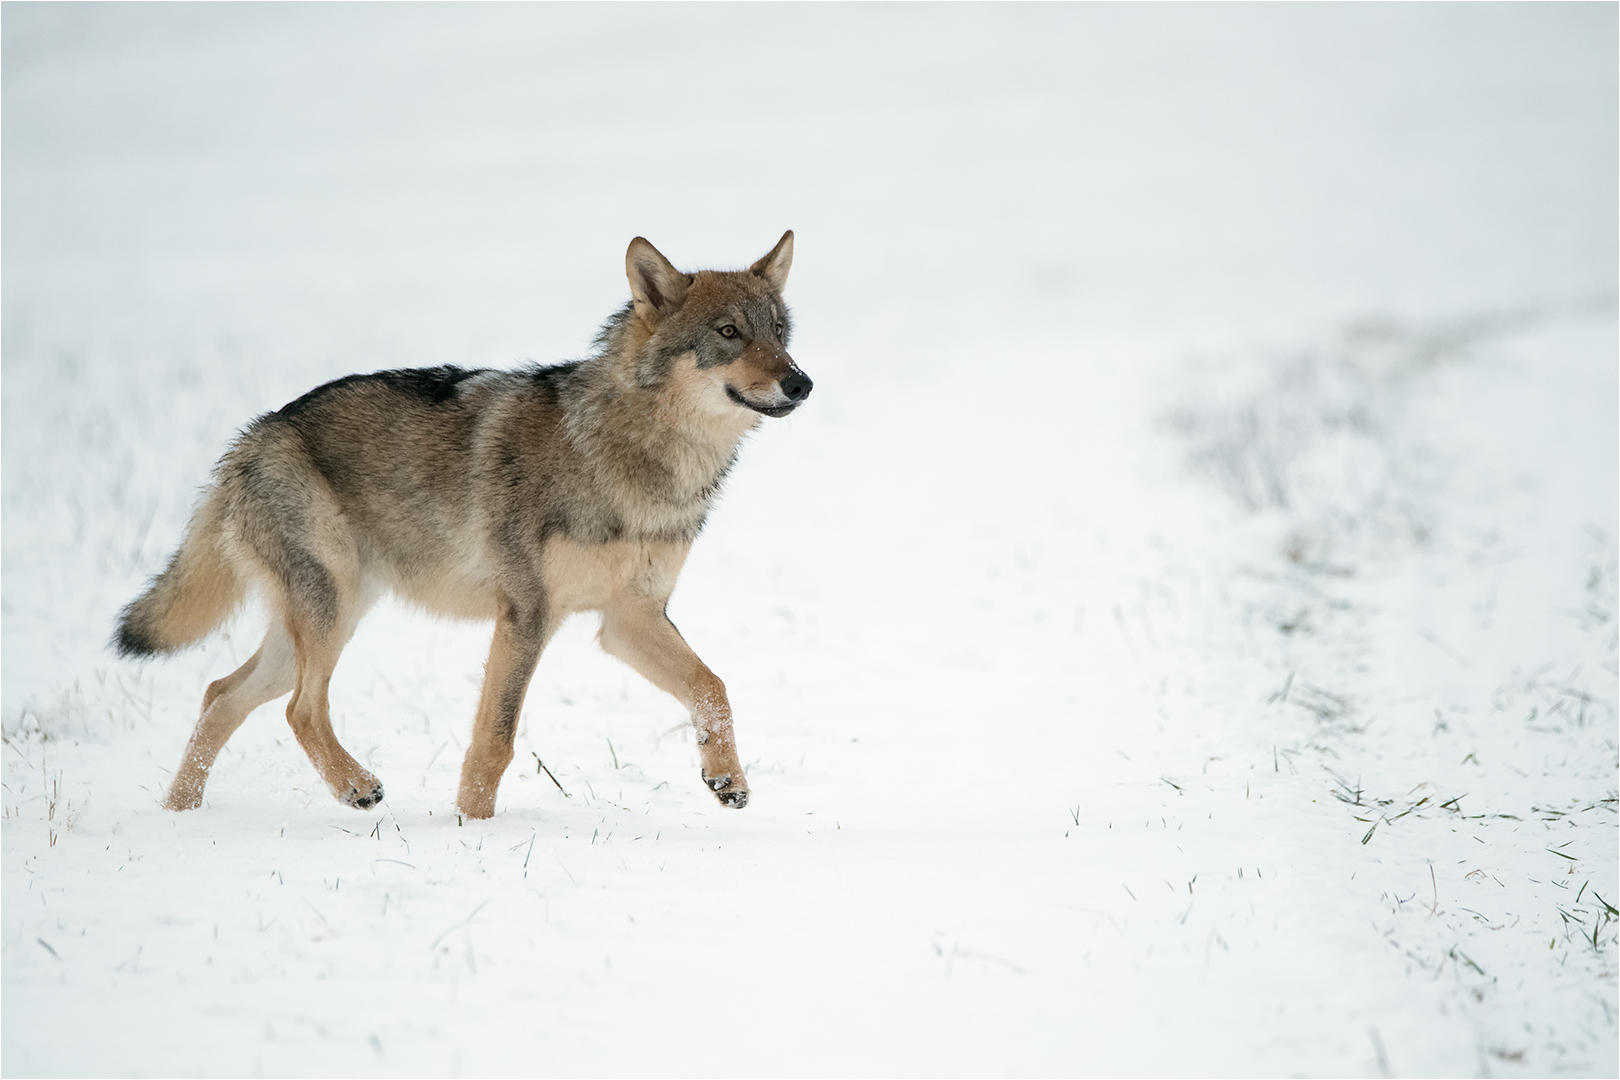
[
  {"x": 775, "y": 266},
  {"x": 656, "y": 287}
]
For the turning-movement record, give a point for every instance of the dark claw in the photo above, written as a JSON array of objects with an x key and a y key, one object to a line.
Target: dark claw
[
  {"x": 368, "y": 801},
  {"x": 735, "y": 799},
  {"x": 718, "y": 783}
]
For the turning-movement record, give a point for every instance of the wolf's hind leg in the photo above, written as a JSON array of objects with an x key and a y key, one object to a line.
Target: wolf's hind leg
[
  {"x": 638, "y": 632},
  {"x": 268, "y": 674},
  {"x": 321, "y": 616},
  {"x": 521, "y": 632}
]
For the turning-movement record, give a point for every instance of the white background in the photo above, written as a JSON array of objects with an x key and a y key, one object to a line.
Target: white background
[{"x": 1177, "y": 636}]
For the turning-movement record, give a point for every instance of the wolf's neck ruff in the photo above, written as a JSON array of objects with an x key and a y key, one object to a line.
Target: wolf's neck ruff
[{"x": 662, "y": 455}]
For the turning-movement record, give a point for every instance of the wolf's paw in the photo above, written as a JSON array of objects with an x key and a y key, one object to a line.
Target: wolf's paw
[
  {"x": 363, "y": 795},
  {"x": 476, "y": 802},
  {"x": 734, "y": 796},
  {"x": 182, "y": 798}
]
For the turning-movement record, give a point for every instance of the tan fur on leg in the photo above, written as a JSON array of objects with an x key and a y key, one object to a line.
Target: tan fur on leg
[
  {"x": 268, "y": 674},
  {"x": 309, "y": 715},
  {"x": 641, "y": 635},
  {"x": 519, "y": 638}
]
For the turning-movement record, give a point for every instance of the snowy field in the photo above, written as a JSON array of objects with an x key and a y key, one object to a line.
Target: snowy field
[{"x": 1177, "y": 637}]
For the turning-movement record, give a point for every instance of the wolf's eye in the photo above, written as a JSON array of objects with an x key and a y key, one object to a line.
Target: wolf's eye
[
  {"x": 728, "y": 331},
  {"x": 778, "y": 331}
]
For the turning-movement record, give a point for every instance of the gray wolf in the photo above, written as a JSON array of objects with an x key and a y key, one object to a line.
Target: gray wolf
[{"x": 520, "y": 496}]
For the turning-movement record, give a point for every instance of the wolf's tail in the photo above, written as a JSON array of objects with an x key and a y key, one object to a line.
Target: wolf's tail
[{"x": 196, "y": 592}]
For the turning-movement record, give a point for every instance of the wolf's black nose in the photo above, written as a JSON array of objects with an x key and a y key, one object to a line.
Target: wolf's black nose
[{"x": 797, "y": 386}]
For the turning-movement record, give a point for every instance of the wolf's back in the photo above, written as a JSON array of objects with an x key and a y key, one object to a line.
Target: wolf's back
[{"x": 196, "y": 592}]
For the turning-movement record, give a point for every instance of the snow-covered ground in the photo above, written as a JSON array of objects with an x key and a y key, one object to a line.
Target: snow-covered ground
[{"x": 1178, "y": 637}]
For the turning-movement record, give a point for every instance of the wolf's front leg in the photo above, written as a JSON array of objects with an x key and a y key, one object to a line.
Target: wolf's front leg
[
  {"x": 521, "y": 631},
  {"x": 637, "y": 631}
]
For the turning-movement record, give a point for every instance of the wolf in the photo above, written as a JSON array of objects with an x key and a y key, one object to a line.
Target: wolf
[{"x": 521, "y": 496}]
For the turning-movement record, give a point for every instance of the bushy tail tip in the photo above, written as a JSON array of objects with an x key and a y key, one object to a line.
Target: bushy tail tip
[
  {"x": 131, "y": 640},
  {"x": 196, "y": 592}
]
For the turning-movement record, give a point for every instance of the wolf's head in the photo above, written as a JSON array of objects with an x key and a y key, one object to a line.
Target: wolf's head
[{"x": 720, "y": 336}]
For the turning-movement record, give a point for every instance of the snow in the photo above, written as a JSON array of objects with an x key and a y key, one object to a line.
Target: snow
[{"x": 1177, "y": 637}]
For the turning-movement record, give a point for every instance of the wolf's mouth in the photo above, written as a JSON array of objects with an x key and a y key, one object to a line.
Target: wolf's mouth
[{"x": 774, "y": 410}]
